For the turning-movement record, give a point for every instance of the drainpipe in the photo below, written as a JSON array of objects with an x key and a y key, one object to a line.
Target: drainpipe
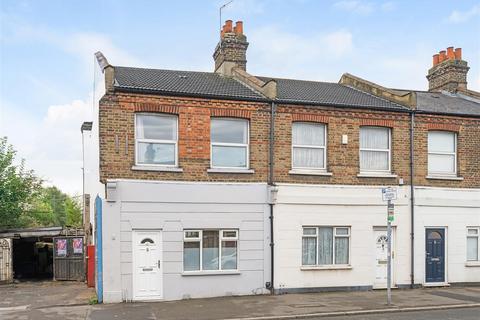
[
  {"x": 412, "y": 201},
  {"x": 271, "y": 184}
]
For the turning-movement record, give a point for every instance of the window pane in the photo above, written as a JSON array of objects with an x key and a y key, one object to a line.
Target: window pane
[
  {"x": 229, "y": 255},
  {"x": 441, "y": 141},
  {"x": 341, "y": 231},
  {"x": 309, "y": 251},
  {"x": 309, "y": 231},
  {"x": 308, "y": 158},
  {"x": 191, "y": 256},
  {"x": 192, "y": 234},
  {"x": 341, "y": 250},
  {"x": 223, "y": 156},
  {"x": 373, "y": 160},
  {"x": 210, "y": 250},
  {"x": 472, "y": 231},
  {"x": 472, "y": 248},
  {"x": 441, "y": 163},
  {"x": 229, "y": 130},
  {"x": 229, "y": 234},
  {"x": 156, "y": 127},
  {"x": 374, "y": 138},
  {"x": 156, "y": 153},
  {"x": 308, "y": 134},
  {"x": 325, "y": 245}
]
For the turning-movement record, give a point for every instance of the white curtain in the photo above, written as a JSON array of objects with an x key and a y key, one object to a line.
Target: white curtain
[
  {"x": 325, "y": 246},
  {"x": 472, "y": 248},
  {"x": 441, "y": 163},
  {"x": 309, "y": 251},
  {"x": 441, "y": 141},
  {"x": 311, "y": 134},
  {"x": 341, "y": 250},
  {"x": 373, "y": 160},
  {"x": 376, "y": 139},
  {"x": 308, "y": 157}
]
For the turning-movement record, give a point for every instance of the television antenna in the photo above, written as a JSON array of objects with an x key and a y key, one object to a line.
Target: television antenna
[{"x": 220, "y": 16}]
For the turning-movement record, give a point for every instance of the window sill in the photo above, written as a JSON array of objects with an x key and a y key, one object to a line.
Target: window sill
[
  {"x": 157, "y": 168},
  {"x": 376, "y": 175},
  {"x": 310, "y": 172},
  {"x": 331, "y": 267},
  {"x": 472, "y": 264},
  {"x": 227, "y": 170},
  {"x": 434, "y": 177},
  {"x": 210, "y": 273}
]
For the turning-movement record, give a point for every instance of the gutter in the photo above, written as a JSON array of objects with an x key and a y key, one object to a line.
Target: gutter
[
  {"x": 412, "y": 201},
  {"x": 271, "y": 183}
]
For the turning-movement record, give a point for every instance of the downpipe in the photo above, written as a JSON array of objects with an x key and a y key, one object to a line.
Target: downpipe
[
  {"x": 272, "y": 195},
  {"x": 412, "y": 201}
]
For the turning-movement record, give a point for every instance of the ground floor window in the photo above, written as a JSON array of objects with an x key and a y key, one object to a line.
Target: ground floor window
[
  {"x": 325, "y": 246},
  {"x": 206, "y": 250},
  {"x": 472, "y": 244}
]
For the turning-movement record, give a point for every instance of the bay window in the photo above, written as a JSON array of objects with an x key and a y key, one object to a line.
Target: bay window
[
  {"x": 375, "y": 153},
  {"x": 442, "y": 153},
  {"x": 309, "y": 146},
  {"x": 323, "y": 246},
  {"x": 210, "y": 250},
  {"x": 229, "y": 143},
  {"x": 156, "y": 139}
]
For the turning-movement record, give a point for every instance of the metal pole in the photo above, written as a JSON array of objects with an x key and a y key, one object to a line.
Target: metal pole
[{"x": 389, "y": 256}]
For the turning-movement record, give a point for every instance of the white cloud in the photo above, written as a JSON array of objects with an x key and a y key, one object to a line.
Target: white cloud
[
  {"x": 355, "y": 6},
  {"x": 363, "y": 7},
  {"x": 463, "y": 16},
  {"x": 50, "y": 145}
]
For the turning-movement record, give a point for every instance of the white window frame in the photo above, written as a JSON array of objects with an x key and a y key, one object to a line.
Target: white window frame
[
  {"x": 477, "y": 236},
  {"x": 138, "y": 140},
  {"x": 226, "y": 144},
  {"x": 200, "y": 240},
  {"x": 389, "y": 151},
  {"x": 324, "y": 147},
  {"x": 436, "y": 173},
  {"x": 317, "y": 233}
]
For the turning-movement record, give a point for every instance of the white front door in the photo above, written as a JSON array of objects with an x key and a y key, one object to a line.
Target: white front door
[
  {"x": 147, "y": 265},
  {"x": 381, "y": 250}
]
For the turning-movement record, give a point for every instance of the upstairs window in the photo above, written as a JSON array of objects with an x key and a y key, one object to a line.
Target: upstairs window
[
  {"x": 309, "y": 149},
  {"x": 375, "y": 149},
  {"x": 156, "y": 139},
  {"x": 229, "y": 143},
  {"x": 442, "y": 153}
]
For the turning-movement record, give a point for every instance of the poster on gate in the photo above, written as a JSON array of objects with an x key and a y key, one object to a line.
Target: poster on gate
[
  {"x": 61, "y": 245},
  {"x": 77, "y": 245}
]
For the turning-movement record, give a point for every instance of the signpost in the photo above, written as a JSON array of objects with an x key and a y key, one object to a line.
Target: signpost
[{"x": 389, "y": 194}]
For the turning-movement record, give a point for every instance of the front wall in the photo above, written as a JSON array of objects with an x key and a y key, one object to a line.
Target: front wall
[
  {"x": 362, "y": 209},
  {"x": 455, "y": 209},
  {"x": 173, "y": 207}
]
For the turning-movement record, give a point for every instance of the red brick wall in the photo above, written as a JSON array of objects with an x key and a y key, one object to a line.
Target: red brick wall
[{"x": 117, "y": 120}]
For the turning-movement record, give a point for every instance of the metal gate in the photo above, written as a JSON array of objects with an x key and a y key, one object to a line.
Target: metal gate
[
  {"x": 5, "y": 261},
  {"x": 69, "y": 258}
]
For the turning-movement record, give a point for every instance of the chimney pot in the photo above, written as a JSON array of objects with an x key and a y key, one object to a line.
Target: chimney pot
[
  {"x": 435, "y": 59},
  {"x": 228, "y": 26},
  {"x": 450, "y": 53},
  {"x": 239, "y": 27},
  {"x": 458, "y": 53},
  {"x": 443, "y": 56}
]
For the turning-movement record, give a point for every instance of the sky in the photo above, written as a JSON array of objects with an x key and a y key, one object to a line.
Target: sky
[{"x": 47, "y": 47}]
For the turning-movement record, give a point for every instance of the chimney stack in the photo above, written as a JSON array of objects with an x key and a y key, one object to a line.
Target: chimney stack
[
  {"x": 449, "y": 71},
  {"x": 231, "y": 51}
]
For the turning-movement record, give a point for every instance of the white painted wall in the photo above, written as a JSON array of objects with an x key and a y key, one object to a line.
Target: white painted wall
[
  {"x": 454, "y": 209},
  {"x": 361, "y": 208},
  {"x": 173, "y": 207}
]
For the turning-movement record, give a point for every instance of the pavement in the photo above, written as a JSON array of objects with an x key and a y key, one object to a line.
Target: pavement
[{"x": 67, "y": 300}]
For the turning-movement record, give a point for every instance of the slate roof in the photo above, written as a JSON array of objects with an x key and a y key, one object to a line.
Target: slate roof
[
  {"x": 182, "y": 82},
  {"x": 446, "y": 103},
  {"x": 328, "y": 93},
  {"x": 215, "y": 85}
]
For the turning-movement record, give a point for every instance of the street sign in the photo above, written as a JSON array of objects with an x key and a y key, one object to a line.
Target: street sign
[
  {"x": 390, "y": 211},
  {"x": 389, "y": 194}
]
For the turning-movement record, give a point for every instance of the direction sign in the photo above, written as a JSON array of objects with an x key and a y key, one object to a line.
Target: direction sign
[{"x": 389, "y": 194}]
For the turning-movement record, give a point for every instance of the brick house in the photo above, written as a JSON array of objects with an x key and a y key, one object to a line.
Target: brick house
[{"x": 226, "y": 183}]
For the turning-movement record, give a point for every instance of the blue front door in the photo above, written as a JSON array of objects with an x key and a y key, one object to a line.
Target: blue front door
[{"x": 435, "y": 255}]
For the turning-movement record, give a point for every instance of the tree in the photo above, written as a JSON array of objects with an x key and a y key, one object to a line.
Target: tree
[
  {"x": 18, "y": 187},
  {"x": 74, "y": 212}
]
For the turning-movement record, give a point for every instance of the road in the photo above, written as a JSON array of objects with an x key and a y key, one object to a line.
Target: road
[{"x": 451, "y": 314}]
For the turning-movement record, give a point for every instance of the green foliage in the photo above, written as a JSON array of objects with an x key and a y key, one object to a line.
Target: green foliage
[
  {"x": 18, "y": 187},
  {"x": 25, "y": 203}
]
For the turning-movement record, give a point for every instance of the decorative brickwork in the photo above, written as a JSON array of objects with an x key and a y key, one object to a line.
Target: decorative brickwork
[
  {"x": 443, "y": 126},
  {"x": 308, "y": 117},
  {"x": 151, "y": 107},
  {"x": 377, "y": 123},
  {"x": 233, "y": 113}
]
